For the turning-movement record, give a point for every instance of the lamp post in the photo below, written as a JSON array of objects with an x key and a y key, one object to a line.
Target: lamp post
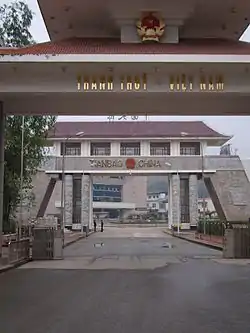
[{"x": 78, "y": 134}]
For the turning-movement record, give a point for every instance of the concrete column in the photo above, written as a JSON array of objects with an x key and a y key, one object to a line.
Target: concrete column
[
  {"x": 175, "y": 148},
  {"x": 91, "y": 226},
  {"x": 68, "y": 205},
  {"x": 203, "y": 148},
  {"x": 115, "y": 148},
  {"x": 193, "y": 200},
  {"x": 2, "y": 130},
  {"x": 170, "y": 202},
  {"x": 57, "y": 148},
  {"x": 85, "y": 148},
  {"x": 145, "y": 148},
  {"x": 86, "y": 200},
  {"x": 175, "y": 204}
]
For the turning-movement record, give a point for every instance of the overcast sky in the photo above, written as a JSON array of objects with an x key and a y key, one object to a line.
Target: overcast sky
[{"x": 237, "y": 126}]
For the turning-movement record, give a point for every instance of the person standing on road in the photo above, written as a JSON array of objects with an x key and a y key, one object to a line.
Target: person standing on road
[
  {"x": 94, "y": 225},
  {"x": 101, "y": 225}
]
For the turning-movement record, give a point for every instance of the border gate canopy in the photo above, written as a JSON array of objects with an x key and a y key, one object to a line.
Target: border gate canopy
[{"x": 30, "y": 85}]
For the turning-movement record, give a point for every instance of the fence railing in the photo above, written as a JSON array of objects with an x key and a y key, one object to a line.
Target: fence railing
[
  {"x": 237, "y": 243},
  {"x": 211, "y": 227},
  {"x": 18, "y": 250}
]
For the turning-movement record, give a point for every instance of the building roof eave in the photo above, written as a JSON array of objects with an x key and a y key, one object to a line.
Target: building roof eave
[
  {"x": 210, "y": 140},
  {"x": 126, "y": 58},
  {"x": 218, "y": 142},
  {"x": 136, "y": 130},
  {"x": 82, "y": 48}
]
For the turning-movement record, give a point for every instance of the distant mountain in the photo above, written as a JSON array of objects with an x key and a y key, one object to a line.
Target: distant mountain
[{"x": 157, "y": 184}]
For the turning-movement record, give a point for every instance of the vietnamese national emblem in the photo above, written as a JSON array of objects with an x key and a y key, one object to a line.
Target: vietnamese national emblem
[{"x": 150, "y": 28}]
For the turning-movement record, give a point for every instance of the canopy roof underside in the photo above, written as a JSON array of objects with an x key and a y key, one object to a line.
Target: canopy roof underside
[{"x": 195, "y": 18}]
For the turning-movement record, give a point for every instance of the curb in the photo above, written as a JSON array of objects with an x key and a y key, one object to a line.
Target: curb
[
  {"x": 211, "y": 246},
  {"x": 77, "y": 239},
  {"x": 12, "y": 266},
  {"x": 74, "y": 240}
]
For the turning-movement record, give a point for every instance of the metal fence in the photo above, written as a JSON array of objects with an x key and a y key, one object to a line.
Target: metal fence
[
  {"x": 209, "y": 226},
  {"x": 18, "y": 251},
  {"x": 237, "y": 240}
]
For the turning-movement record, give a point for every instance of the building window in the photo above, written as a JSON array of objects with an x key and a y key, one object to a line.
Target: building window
[
  {"x": 159, "y": 148},
  {"x": 107, "y": 193},
  {"x": 100, "y": 149},
  {"x": 130, "y": 149},
  {"x": 190, "y": 148},
  {"x": 71, "y": 148}
]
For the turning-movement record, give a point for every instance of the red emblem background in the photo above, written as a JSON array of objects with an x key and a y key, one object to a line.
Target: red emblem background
[{"x": 130, "y": 163}]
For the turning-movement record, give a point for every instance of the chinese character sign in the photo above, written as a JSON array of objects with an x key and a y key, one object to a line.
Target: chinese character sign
[{"x": 124, "y": 118}]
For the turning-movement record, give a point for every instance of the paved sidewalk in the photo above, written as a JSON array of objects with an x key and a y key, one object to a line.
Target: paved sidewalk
[
  {"x": 72, "y": 237},
  {"x": 69, "y": 238},
  {"x": 212, "y": 242}
]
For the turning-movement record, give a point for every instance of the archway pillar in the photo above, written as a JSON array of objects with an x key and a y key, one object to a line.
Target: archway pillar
[
  {"x": 174, "y": 206},
  {"x": 170, "y": 222},
  {"x": 87, "y": 202},
  {"x": 68, "y": 204},
  {"x": 193, "y": 200}
]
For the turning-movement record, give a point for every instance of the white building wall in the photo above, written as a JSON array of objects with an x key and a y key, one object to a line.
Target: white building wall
[
  {"x": 145, "y": 148},
  {"x": 175, "y": 148},
  {"x": 115, "y": 148},
  {"x": 57, "y": 148},
  {"x": 135, "y": 191},
  {"x": 85, "y": 148},
  {"x": 203, "y": 147}
]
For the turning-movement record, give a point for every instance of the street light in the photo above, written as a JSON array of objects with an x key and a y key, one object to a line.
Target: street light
[{"x": 78, "y": 134}]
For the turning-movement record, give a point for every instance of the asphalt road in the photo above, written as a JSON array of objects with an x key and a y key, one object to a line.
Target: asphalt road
[{"x": 154, "y": 288}]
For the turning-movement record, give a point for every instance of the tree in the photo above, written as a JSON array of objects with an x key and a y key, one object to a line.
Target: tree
[
  {"x": 35, "y": 134},
  {"x": 16, "y": 19}
]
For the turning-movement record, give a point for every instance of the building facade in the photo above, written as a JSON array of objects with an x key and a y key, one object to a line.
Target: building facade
[
  {"x": 121, "y": 59},
  {"x": 113, "y": 165},
  {"x": 113, "y": 197},
  {"x": 157, "y": 202}
]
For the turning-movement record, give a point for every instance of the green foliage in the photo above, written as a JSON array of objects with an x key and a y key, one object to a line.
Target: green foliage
[
  {"x": 212, "y": 227},
  {"x": 35, "y": 134},
  {"x": 15, "y": 22}
]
